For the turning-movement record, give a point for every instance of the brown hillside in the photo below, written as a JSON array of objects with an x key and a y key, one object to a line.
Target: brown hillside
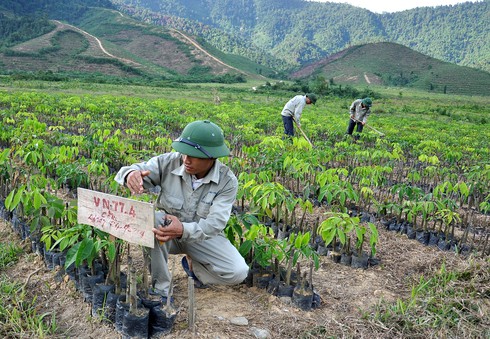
[{"x": 70, "y": 49}]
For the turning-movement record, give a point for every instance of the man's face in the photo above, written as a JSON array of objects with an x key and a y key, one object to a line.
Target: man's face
[
  {"x": 308, "y": 101},
  {"x": 197, "y": 166}
]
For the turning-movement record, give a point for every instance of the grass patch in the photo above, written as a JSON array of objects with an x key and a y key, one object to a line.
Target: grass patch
[
  {"x": 18, "y": 310},
  {"x": 18, "y": 314},
  {"x": 8, "y": 254},
  {"x": 449, "y": 305}
]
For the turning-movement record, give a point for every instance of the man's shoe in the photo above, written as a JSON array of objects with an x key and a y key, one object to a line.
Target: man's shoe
[{"x": 197, "y": 282}]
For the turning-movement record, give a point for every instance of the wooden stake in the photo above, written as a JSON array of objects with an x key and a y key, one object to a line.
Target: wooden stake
[
  {"x": 132, "y": 288},
  {"x": 192, "y": 304}
]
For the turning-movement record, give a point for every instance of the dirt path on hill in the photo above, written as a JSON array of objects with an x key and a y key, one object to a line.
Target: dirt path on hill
[
  {"x": 367, "y": 79},
  {"x": 196, "y": 45},
  {"x": 63, "y": 26}
]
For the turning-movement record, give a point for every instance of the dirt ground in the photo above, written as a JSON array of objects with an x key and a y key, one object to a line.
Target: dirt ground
[{"x": 346, "y": 295}]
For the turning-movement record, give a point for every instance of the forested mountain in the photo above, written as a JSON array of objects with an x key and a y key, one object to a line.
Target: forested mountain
[
  {"x": 53, "y": 9},
  {"x": 230, "y": 40},
  {"x": 459, "y": 34},
  {"x": 299, "y": 32},
  {"x": 22, "y": 20}
]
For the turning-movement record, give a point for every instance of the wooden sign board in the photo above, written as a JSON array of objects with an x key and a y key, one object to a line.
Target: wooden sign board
[{"x": 126, "y": 219}]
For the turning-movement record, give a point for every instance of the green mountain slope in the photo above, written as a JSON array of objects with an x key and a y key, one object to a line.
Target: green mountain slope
[{"x": 396, "y": 65}]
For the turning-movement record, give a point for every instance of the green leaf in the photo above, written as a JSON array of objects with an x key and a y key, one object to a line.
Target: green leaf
[
  {"x": 38, "y": 200},
  {"x": 250, "y": 219},
  {"x": 17, "y": 198},
  {"x": 51, "y": 211},
  {"x": 306, "y": 239},
  {"x": 463, "y": 188},
  {"x": 328, "y": 237},
  {"x": 8, "y": 201},
  {"x": 343, "y": 198},
  {"x": 245, "y": 248},
  {"x": 342, "y": 236},
  {"x": 297, "y": 242},
  {"x": 111, "y": 251},
  {"x": 71, "y": 255},
  {"x": 272, "y": 199},
  {"x": 316, "y": 260},
  {"x": 295, "y": 258},
  {"x": 85, "y": 252},
  {"x": 329, "y": 197}
]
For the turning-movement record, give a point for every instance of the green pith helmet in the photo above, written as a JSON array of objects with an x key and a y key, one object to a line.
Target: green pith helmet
[
  {"x": 201, "y": 139},
  {"x": 367, "y": 102},
  {"x": 312, "y": 97}
]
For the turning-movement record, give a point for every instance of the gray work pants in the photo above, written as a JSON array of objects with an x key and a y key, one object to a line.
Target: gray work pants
[{"x": 214, "y": 261}]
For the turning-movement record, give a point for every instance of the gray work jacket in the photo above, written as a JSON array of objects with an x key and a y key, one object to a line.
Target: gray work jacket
[
  {"x": 359, "y": 113},
  {"x": 205, "y": 211},
  {"x": 294, "y": 107}
]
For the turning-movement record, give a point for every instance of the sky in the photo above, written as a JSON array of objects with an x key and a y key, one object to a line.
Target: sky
[{"x": 380, "y": 6}]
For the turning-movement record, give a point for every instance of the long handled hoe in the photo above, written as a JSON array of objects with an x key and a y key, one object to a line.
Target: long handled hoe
[
  {"x": 368, "y": 126},
  {"x": 302, "y": 132}
]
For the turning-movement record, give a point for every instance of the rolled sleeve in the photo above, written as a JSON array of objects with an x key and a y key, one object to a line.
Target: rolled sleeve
[{"x": 154, "y": 165}]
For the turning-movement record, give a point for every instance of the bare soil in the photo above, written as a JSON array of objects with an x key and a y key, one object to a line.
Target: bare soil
[
  {"x": 347, "y": 294},
  {"x": 162, "y": 52}
]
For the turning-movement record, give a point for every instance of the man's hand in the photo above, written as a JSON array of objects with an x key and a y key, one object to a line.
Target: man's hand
[
  {"x": 134, "y": 181},
  {"x": 169, "y": 229}
]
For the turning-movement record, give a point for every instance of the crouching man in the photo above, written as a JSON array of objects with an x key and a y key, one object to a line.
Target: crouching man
[{"x": 196, "y": 196}]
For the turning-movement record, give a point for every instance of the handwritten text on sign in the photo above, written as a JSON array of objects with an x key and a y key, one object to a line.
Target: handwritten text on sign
[{"x": 126, "y": 219}]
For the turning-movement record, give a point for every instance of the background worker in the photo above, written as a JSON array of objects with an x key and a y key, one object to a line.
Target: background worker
[
  {"x": 293, "y": 109},
  {"x": 359, "y": 112},
  {"x": 196, "y": 196}
]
